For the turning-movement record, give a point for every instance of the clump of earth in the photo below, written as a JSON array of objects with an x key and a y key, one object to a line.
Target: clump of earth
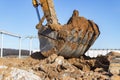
[{"x": 54, "y": 67}]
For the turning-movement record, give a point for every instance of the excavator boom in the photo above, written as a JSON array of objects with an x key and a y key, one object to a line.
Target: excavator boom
[{"x": 49, "y": 11}]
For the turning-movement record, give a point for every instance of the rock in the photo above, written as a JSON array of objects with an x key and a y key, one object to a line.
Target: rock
[
  {"x": 59, "y": 60},
  {"x": 114, "y": 68},
  {"x": 18, "y": 74},
  {"x": 52, "y": 58},
  {"x": 115, "y": 77},
  {"x": 99, "y": 70},
  {"x": 82, "y": 64},
  {"x": 111, "y": 55},
  {"x": 114, "y": 59},
  {"x": 67, "y": 78}
]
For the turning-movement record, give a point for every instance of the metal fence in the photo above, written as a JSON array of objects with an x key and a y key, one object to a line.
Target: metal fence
[
  {"x": 19, "y": 51},
  {"x": 10, "y": 34}
]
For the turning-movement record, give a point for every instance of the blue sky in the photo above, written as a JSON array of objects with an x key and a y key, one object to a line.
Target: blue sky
[{"x": 20, "y": 17}]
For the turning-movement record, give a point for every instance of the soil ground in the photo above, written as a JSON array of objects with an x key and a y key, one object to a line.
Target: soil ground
[{"x": 58, "y": 68}]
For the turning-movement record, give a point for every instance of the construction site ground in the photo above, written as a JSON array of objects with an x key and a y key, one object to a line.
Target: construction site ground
[{"x": 37, "y": 67}]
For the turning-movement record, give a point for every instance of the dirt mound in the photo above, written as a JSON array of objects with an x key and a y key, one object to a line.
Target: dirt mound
[
  {"x": 114, "y": 59},
  {"x": 57, "y": 67}
]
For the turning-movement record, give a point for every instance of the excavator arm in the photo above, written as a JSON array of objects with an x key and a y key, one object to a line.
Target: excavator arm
[{"x": 48, "y": 10}]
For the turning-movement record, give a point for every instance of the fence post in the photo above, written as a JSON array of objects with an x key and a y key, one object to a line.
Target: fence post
[
  {"x": 19, "y": 47},
  {"x": 30, "y": 46},
  {"x": 1, "y": 55}
]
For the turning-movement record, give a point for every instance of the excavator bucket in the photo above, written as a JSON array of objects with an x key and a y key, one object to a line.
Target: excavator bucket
[{"x": 70, "y": 40}]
